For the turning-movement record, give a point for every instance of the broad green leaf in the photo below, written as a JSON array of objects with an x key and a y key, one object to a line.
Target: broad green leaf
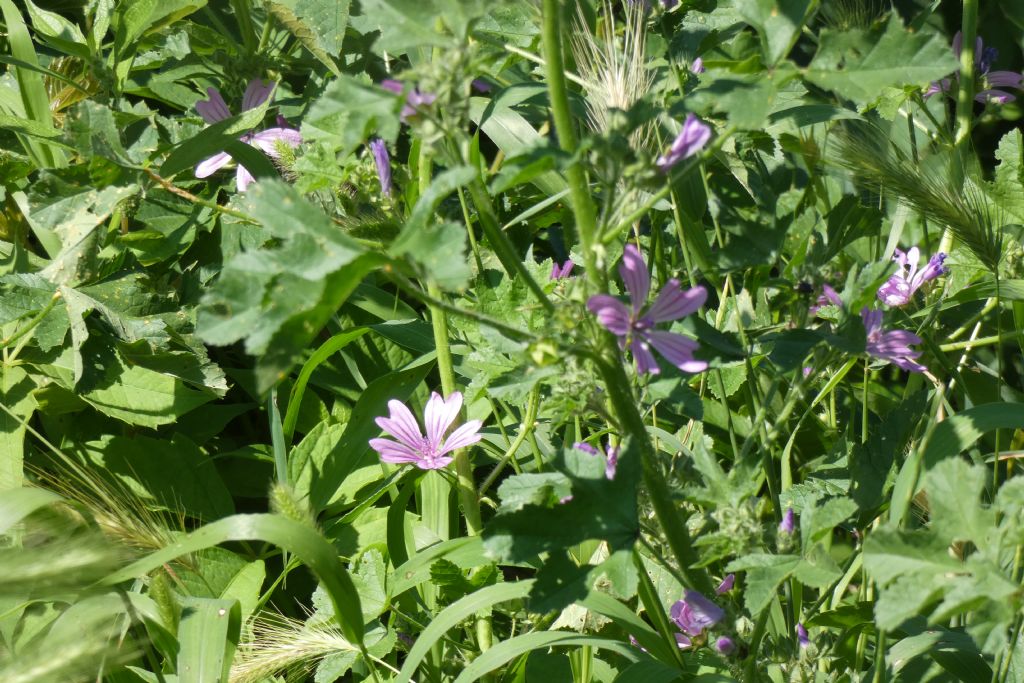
[
  {"x": 890, "y": 553},
  {"x": 777, "y": 22},
  {"x": 858, "y": 64},
  {"x": 19, "y": 503},
  {"x": 598, "y": 509},
  {"x": 318, "y": 24},
  {"x": 349, "y": 112},
  {"x": 16, "y": 395},
  {"x": 208, "y": 634},
  {"x": 408, "y": 24},
  {"x": 278, "y": 298},
  {"x": 954, "y": 488},
  {"x": 173, "y": 472},
  {"x": 132, "y": 394},
  {"x": 245, "y": 587}
]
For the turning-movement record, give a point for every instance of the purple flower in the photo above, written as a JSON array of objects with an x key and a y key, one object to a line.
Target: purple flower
[
  {"x": 892, "y": 346},
  {"x": 788, "y": 523},
  {"x": 413, "y": 99},
  {"x": 480, "y": 85},
  {"x": 725, "y": 646},
  {"x": 691, "y": 139},
  {"x": 669, "y": 4},
  {"x": 801, "y": 636},
  {"x": 563, "y": 272},
  {"x": 900, "y": 288},
  {"x": 990, "y": 83},
  {"x": 726, "y": 585},
  {"x": 829, "y": 297},
  {"x": 635, "y": 327},
  {"x": 216, "y": 109},
  {"x": 694, "y": 613},
  {"x": 683, "y": 642},
  {"x": 697, "y": 66},
  {"x": 383, "y": 162},
  {"x": 430, "y": 452}
]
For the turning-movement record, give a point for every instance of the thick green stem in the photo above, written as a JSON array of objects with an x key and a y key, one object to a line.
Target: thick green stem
[
  {"x": 579, "y": 189},
  {"x": 965, "y": 92}
]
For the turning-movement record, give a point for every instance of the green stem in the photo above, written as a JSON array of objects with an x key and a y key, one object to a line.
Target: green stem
[
  {"x": 965, "y": 92},
  {"x": 524, "y": 430},
  {"x": 579, "y": 189},
  {"x": 245, "y": 26},
  {"x": 980, "y": 341}
]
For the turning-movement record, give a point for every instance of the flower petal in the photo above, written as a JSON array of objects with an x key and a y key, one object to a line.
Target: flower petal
[
  {"x": 215, "y": 109},
  {"x": 677, "y": 350},
  {"x": 394, "y": 452},
  {"x": 466, "y": 435},
  {"x": 634, "y": 274},
  {"x": 267, "y": 139},
  {"x": 208, "y": 167},
  {"x": 257, "y": 92},
  {"x": 439, "y": 415},
  {"x": 645, "y": 362},
  {"x": 401, "y": 424},
  {"x": 243, "y": 179},
  {"x": 673, "y": 303},
  {"x": 610, "y": 312}
]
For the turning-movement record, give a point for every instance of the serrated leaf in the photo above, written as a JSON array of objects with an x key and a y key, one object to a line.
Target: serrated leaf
[
  {"x": 318, "y": 24},
  {"x": 776, "y": 21},
  {"x": 858, "y": 65},
  {"x": 349, "y": 111},
  {"x": 278, "y": 298}
]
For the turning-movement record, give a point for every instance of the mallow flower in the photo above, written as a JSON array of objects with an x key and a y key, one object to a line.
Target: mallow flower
[
  {"x": 691, "y": 139},
  {"x": 382, "y": 160},
  {"x": 216, "y": 109},
  {"x": 801, "y": 635},
  {"x": 694, "y": 613},
  {"x": 561, "y": 272},
  {"x": 414, "y": 99},
  {"x": 829, "y": 297},
  {"x": 989, "y": 83},
  {"x": 788, "y": 523},
  {"x": 634, "y": 325},
  {"x": 900, "y": 288},
  {"x": 428, "y": 452},
  {"x": 892, "y": 345}
]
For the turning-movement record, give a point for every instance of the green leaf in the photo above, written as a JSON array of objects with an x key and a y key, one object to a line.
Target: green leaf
[
  {"x": 954, "y": 488},
  {"x": 278, "y": 298},
  {"x": 408, "y": 24},
  {"x": 765, "y": 573},
  {"x": 318, "y": 24},
  {"x": 890, "y": 553},
  {"x": 18, "y": 405},
  {"x": 349, "y": 111},
  {"x": 859, "y": 65},
  {"x": 599, "y": 508},
  {"x": 777, "y": 23},
  {"x": 369, "y": 579},
  {"x": 208, "y": 634},
  {"x": 19, "y": 503},
  {"x": 174, "y": 473},
  {"x": 304, "y": 542}
]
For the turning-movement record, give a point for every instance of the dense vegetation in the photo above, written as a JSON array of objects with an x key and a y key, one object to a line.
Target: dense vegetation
[{"x": 522, "y": 340}]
